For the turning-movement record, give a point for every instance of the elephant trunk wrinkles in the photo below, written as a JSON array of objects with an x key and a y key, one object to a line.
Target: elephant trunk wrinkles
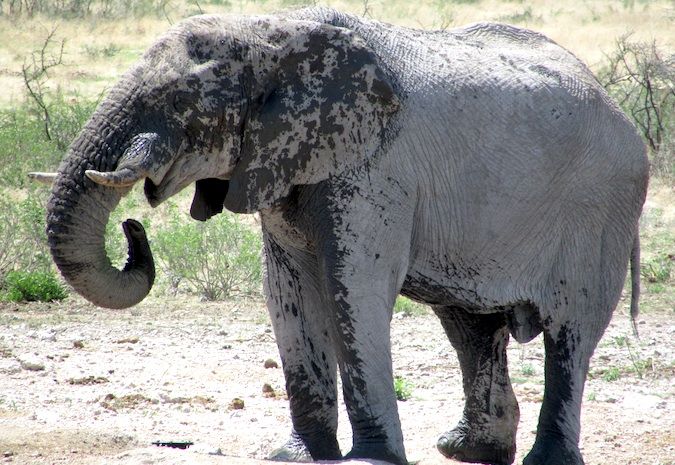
[{"x": 79, "y": 209}]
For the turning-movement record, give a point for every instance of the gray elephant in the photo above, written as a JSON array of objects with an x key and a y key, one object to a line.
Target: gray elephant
[{"x": 482, "y": 170}]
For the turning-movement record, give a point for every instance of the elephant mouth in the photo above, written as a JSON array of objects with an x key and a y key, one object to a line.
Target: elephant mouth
[
  {"x": 152, "y": 193},
  {"x": 208, "y": 199},
  {"x": 157, "y": 191},
  {"x": 209, "y": 191}
]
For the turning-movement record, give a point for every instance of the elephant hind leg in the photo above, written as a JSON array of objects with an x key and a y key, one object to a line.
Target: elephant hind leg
[
  {"x": 569, "y": 347},
  {"x": 574, "y": 318},
  {"x": 487, "y": 431}
]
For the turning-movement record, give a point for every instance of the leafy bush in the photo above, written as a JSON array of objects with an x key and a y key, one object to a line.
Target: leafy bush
[
  {"x": 219, "y": 258},
  {"x": 24, "y": 286},
  {"x": 24, "y": 244},
  {"x": 24, "y": 145}
]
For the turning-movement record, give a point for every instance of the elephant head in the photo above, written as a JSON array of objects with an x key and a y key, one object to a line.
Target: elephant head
[{"x": 245, "y": 107}]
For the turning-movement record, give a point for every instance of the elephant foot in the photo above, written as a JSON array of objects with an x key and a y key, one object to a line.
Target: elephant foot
[
  {"x": 297, "y": 450},
  {"x": 463, "y": 444},
  {"x": 553, "y": 451}
]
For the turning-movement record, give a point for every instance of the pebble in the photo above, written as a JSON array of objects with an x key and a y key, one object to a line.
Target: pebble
[{"x": 32, "y": 365}]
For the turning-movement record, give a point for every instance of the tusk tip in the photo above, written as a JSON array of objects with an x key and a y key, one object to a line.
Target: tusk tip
[
  {"x": 94, "y": 175},
  {"x": 44, "y": 178},
  {"x": 123, "y": 178}
]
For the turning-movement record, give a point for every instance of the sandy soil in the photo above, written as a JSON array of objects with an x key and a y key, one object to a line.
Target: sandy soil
[{"x": 82, "y": 385}]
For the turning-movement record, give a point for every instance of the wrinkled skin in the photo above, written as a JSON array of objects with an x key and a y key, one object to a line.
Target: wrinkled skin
[{"x": 481, "y": 170}]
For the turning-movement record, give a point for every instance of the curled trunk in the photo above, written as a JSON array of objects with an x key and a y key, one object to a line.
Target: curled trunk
[{"x": 79, "y": 209}]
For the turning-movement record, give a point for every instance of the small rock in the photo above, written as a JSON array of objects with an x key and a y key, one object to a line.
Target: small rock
[
  {"x": 78, "y": 344},
  {"x": 237, "y": 404},
  {"x": 8, "y": 453},
  {"x": 268, "y": 391},
  {"x": 270, "y": 363},
  {"x": 32, "y": 365},
  {"x": 88, "y": 380}
]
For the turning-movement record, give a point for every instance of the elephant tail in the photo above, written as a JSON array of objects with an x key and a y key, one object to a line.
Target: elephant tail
[{"x": 635, "y": 282}]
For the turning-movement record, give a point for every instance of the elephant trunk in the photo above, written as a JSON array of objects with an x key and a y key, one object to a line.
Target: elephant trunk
[{"x": 78, "y": 211}]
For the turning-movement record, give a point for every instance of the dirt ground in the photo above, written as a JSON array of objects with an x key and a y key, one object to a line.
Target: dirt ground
[{"x": 82, "y": 385}]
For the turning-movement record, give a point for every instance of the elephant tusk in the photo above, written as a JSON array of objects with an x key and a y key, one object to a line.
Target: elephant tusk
[
  {"x": 44, "y": 178},
  {"x": 125, "y": 177}
]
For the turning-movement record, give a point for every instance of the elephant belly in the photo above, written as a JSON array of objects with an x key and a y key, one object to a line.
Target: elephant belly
[{"x": 437, "y": 291}]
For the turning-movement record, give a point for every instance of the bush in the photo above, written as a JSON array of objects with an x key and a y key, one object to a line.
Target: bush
[
  {"x": 69, "y": 9},
  {"x": 407, "y": 307},
  {"x": 24, "y": 243},
  {"x": 23, "y": 286},
  {"x": 24, "y": 145},
  {"x": 659, "y": 269},
  {"x": 219, "y": 258},
  {"x": 641, "y": 78}
]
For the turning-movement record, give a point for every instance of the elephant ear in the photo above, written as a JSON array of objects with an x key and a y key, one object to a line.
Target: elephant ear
[{"x": 325, "y": 110}]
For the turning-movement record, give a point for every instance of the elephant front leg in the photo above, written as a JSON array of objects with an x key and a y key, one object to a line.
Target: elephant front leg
[
  {"x": 362, "y": 334},
  {"x": 361, "y": 290},
  {"x": 487, "y": 431},
  {"x": 307, "y": 355}
]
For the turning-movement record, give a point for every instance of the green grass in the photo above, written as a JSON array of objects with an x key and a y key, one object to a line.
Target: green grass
[
  {"x": 403, "y": 388},
  {"x": 527, "y": 370},
  {"x": 407, "y": 307},
  {"x": 611, "y": 374},
  {"x": 658, "y": 269}
]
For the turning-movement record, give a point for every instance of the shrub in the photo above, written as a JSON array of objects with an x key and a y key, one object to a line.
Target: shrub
[
  {"x": 24, "y": 145},
  {"x": 659, "y": 269},
  {"x": 402, "y": 388},
  {"x": 219, "y": 258},
  {"x": 69, "y": 9},
  {"x": 24, "y": 244},
  {"x": 640, "y": 77},
  {"x": 407, "y": 307},
  {"x": 24, "y": 286}
]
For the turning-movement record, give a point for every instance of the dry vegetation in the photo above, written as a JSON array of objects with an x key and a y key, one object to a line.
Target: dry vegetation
[{"x": 99, "y": 49}]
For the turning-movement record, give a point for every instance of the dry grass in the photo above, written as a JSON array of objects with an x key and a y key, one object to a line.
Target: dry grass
[{"x": 98, "y": 51}]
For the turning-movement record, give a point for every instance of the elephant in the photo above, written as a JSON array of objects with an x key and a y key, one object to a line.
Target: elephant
[{"x": 481, "y": 170}]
